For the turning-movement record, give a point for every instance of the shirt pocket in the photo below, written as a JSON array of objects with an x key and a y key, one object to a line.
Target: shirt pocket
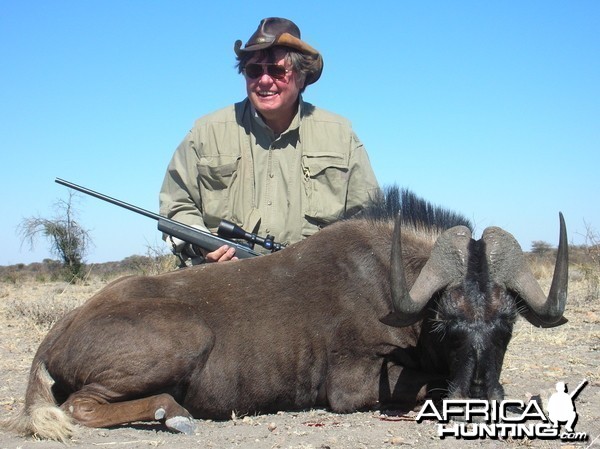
[
  {"x": 215, "y": 177},
  {"x": 325, "y": 185}
]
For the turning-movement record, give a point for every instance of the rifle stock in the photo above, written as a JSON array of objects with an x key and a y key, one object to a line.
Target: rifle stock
[{"x": 203, "y": 239}]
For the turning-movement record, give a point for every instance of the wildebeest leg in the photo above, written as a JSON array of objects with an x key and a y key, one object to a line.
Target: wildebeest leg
[
  {"x": 92, "y": 406},
  {"x": 375, "y": 382},
  {"x": 407, "y": 387},
  {"x": 126, "y": 351}
]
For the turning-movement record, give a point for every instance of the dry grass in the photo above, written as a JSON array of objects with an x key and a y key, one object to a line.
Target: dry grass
[
  {"x": 41, "y": 312},
  {"x": 39, "y": 305},
  {"x": 39, "y": 298}
]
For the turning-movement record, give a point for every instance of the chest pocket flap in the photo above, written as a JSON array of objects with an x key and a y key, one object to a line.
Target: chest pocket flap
[
  {"x": 325, "y": 184},
  {"x": 216, "y": 172}
]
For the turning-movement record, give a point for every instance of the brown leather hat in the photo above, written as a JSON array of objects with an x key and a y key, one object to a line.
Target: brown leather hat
[{"x": 277, "y": 31}]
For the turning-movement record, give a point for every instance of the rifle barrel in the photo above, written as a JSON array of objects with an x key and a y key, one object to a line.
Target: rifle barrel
[
  {"x": 112, "y": 200},
  {"x": 182, "y": 231}
]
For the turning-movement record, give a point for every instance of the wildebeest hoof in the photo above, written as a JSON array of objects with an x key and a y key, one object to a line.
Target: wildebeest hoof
[
  {"x": 181, "y": 424},
  {"x": 159, "y": 414}
]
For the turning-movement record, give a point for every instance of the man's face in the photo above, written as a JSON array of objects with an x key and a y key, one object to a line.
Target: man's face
[{"x": 273, "y": 98}]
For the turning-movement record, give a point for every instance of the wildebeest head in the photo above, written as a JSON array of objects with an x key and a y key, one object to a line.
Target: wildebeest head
[{"x": 469, "y": 294}]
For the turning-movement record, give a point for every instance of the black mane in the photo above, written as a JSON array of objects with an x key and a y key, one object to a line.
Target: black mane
[{"x": 415, "y": 211}]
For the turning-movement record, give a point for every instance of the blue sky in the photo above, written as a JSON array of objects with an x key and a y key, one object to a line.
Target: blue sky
[{"x": 491, "y": 109}]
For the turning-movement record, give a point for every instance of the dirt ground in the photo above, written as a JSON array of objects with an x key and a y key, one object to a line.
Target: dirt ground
[{"x": 536, "y": 360}]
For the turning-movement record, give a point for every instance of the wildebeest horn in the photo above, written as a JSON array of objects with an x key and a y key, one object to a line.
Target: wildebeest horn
[
  {"x": 446, "y": 265},
  {"x": 508, "y": 267}
]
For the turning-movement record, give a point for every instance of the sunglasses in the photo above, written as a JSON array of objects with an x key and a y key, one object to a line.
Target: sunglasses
[{"x": 256, "y": 70}]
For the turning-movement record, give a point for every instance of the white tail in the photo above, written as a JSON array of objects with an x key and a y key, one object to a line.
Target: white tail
[{"x": 41, "y": 416}]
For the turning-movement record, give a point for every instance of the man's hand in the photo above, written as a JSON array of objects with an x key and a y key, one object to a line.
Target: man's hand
[{"x": 222, "y": 254}]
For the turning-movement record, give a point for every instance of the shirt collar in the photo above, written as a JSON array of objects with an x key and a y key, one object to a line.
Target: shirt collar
[{"x": 295, "y": 121}]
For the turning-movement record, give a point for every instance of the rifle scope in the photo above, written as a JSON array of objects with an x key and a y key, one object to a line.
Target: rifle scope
[{"x": 230, "y": 230}]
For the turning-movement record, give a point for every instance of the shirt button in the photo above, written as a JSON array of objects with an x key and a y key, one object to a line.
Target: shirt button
[{"x": 269, "y": 203}]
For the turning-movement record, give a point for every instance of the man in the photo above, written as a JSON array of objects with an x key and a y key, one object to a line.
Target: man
[{"x": 273, "y": 164}]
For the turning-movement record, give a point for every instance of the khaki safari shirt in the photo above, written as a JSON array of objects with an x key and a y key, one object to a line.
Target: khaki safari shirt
[{"x": 232, "y": 166}]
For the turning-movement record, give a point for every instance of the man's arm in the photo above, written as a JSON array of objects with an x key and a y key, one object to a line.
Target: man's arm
[{"x": 362, "y": 183}]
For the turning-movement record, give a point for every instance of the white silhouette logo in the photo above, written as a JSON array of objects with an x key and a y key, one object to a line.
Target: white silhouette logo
[{"x": 561, "y": 407}]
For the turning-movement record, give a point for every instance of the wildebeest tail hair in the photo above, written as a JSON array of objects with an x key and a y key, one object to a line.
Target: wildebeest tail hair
[{"x": 41, "y": 416}]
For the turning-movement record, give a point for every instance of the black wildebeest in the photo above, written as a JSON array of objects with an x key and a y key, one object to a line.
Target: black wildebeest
[{"x": 365, "y": 313}]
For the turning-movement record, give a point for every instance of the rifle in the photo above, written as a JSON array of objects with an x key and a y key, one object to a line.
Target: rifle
[
  {"x": 189, "y": 234},
  {"x": 577, "y": 390}
]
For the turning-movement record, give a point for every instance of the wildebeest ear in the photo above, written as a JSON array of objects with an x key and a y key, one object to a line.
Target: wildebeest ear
[
  {"x": 535, "y": 320},
  {"x": 395, "y": 319}
]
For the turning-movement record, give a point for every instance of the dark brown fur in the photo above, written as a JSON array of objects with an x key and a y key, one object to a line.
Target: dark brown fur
[{"x": 296, "y": 329}]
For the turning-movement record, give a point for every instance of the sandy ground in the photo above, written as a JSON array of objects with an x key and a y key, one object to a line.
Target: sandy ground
[{"x": 536, "y": 360}]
